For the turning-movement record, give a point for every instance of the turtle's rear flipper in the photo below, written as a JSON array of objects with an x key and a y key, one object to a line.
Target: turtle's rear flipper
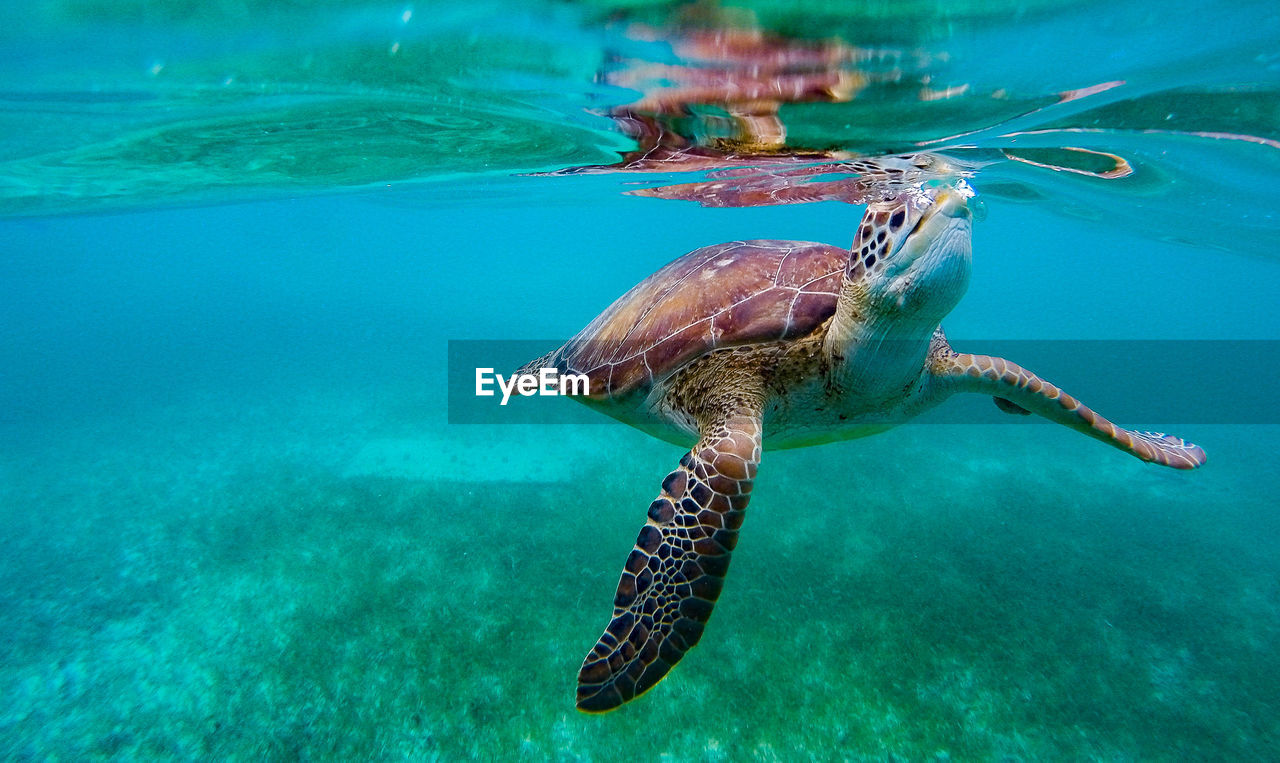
[
  {"x": 1014, "y": 387},
  {"x": 674, "y": 574}
]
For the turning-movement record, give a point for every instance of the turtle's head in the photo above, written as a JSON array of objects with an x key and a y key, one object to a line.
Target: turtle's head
[{"x": 911, "y": 255}]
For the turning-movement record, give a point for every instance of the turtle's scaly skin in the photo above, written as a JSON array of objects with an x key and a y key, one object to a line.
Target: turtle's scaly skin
[
  {"x": 1016, "y": 386},
  {"x": 786, "y": 343},
  {"x": 674, "y": 574}
]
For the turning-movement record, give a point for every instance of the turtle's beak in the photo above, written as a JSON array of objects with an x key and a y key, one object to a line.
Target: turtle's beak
[
  {"x": 948, "y": 203},
  {"x": 949, "y": 210}
]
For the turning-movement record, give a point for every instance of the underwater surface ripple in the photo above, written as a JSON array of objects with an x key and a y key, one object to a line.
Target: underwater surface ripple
[
  {"x": 238, "y": 101},
  {"x": 238, "y": 236}
]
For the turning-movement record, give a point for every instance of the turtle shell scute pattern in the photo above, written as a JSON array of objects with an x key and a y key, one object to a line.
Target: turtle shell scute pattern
[{"x": 742, "y": 292}]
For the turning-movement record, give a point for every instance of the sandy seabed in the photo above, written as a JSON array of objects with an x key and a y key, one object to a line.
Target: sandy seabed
[{"x": 315, "y": 574}]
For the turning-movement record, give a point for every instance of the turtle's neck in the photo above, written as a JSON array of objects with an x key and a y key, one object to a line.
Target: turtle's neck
[
  {"x": 878, "y": 356},
  {"x": 885, "y": 358}
]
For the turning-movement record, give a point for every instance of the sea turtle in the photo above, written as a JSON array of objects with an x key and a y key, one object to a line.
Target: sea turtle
[{"x": 748, "y": 344}]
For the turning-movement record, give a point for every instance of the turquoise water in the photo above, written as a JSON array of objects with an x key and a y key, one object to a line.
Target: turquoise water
[{"x": 238, "y": 523}]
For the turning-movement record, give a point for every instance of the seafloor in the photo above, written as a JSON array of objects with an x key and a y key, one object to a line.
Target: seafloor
[{"x": 301, "y": 572}]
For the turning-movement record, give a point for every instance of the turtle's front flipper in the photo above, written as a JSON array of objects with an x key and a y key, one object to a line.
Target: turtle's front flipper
[
  {"x": 1022, "y": 389},
  {"x": 674, "y": 573}
]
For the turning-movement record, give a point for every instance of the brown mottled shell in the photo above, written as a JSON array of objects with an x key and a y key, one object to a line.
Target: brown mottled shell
[{"x": 737, "y": 293}]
